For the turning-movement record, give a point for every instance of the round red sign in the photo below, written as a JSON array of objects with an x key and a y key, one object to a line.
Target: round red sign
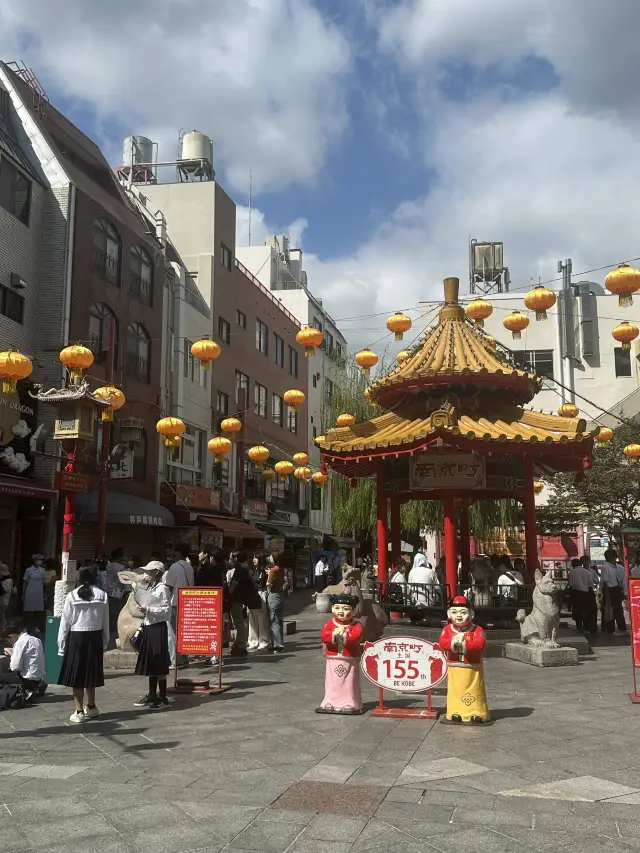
[{"x": 404, "y": 664}]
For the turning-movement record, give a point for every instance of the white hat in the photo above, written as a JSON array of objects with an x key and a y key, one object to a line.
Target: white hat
[{"x": 153, "y": 567}]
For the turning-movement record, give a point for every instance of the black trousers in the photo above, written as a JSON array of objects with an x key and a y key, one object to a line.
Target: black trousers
[
  {"x": 584, "y": 610},
  {"x": 614, "y": 596}
]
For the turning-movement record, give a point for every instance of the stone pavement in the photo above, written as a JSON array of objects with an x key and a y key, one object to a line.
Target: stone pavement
[{"x": 257, "y": 770}]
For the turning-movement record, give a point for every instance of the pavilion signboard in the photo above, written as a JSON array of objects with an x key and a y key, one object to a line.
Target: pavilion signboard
[{"x": 447, "y": 471}]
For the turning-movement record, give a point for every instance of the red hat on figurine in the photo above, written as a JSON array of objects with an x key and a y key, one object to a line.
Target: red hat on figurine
[{"x": 460, "y": 601}]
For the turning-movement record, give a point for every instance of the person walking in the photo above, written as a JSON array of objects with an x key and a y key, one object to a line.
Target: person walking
[
  {"x": 613, "y": 587},
  {"x": 320, "y": 573},
  {"x": 259, "y": 618},
  {"x": 238, "y": 583},
  {"x": 180, "y": 574},
  {"x": 83, "y": 637},
  {"x": 153, "y": 655},
  {"x": 277, "y": 586},
  {"x": 33, "y": 592},
  {"x": 114, "y": 587}
]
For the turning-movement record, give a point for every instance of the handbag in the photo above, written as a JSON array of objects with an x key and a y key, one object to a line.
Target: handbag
[{"x": 136, "y": 640}]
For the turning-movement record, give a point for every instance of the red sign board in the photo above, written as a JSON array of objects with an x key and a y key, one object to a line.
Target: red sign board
[
  {"x": 199, "y": 621},
  {"x": 404, "y": 664},
  {"x": 180, "y": 495},
  {"x": 634, "y": 613}
]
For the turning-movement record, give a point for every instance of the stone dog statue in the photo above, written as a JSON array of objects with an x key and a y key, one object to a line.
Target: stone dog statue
[
  {"x": 371, "y": 616},
  {"x": 540, "y": 627},
  {"x": 129, "y": 619}
]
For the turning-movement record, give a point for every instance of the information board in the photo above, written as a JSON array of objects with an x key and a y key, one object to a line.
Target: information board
[
  {"x": 404, "y": 664},
  {"x": 199, "y": 621},
  {"x": 634, "y": 614}
]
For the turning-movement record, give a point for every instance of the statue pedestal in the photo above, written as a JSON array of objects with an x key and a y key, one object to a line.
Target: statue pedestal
[
  {"x": 565, "y": 656},
  {"x": 120, "y": 659}
]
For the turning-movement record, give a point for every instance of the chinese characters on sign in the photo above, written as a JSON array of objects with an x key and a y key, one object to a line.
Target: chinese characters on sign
[
  {"x": 448, "y": 471},
  {"x": 199, "y": 621},
  {"x": 634, "y": 614},
  {"x": 403, "y": 664},
  {"x": 150, "y": 520}
]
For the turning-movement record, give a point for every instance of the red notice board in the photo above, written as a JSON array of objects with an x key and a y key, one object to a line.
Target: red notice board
[
  {"x": 634, "y": 614},
  {"x": 199, "y": 621}
]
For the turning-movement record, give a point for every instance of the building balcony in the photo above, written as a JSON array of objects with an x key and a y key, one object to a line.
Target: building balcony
[
  {"x": 106, "y": 265},
  {"x": 141, "y": 289},
  {"x": 137, "y": 367}
]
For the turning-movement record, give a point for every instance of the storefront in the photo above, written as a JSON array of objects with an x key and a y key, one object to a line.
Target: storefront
[{"x": 296, "y": 541}]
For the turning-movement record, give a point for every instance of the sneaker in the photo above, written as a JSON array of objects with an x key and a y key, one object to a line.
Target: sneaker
[
  {"x": 143, "y": 701},
  {"x": 78, "y": 717},
  {"x": 91, "y": 712},
  {"x": 263, "y": 646},
  {"x": 215, "y": 661},
  {"x": 278, "y": 650},
  {"x": 159, "y": 704}
]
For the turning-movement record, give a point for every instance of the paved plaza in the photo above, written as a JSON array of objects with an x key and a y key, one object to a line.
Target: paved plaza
[{"x": 257, "y": 770}]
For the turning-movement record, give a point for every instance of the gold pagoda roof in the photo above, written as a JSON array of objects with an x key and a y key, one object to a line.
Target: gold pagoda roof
[
  {"x": 453, "y": 353},
  {"x": 510, "y": 425}
]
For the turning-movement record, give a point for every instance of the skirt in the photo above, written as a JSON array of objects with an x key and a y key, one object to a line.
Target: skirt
[
  {"x": 153, "y": 657},
  {"x": 342, "y": 685},
  {"x": 82, "y": 664},
  {"x": 466, "y": 693}
]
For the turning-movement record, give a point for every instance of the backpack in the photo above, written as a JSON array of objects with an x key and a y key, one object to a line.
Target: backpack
[{"x": 12, "y": 696}]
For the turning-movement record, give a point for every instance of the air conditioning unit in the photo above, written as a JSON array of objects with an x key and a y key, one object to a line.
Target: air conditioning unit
[{"x": 17, "y": 282}]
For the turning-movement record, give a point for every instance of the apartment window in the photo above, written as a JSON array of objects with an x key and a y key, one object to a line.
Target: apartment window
[
  {"x": 260, "y": 400},
  {"x": 192, "y": 367},
  {"x": 317, "y": 324},
  {"x": 292, "y": 420},
  {"x": 106, "y": 250},
  {"x": 293, "y": 362},
  {"x": 100, "y": 316},
  {"x": 262, "y": 337},
  {"x": 138, "y": 352},
  {"x": 224, "y": 330},
  {"x": 315, "y": 380},
  {"x": 329, "y": 343},
  {"x": 224, "y": 472},
  {"x": 186, "y": 464},
  {"x": 538, "y": 361},
  {"x": 242, "y": 388},
  {"x": 15, "y": 191},
  {"x": 11, "y": 304},
  {"x": 222, "y": 403},
  {"x": 241, "y": 319},
  {"x": 622, "y": 362},
  {"x": 278, "y": 350},
  {"x": 141, "y": 275},
  {"x": 314, "y": 431},
  {"x": 226, "y": 256},
  {"x": 276, "y": 409},
  {"x": 328, "y": 390}
]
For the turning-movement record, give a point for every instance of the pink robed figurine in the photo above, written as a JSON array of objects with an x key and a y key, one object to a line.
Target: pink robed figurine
[{"x": 342, "y": 638}]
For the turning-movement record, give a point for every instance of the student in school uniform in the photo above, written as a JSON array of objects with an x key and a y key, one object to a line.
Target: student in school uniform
[
  {"x": 27, "y": 662},
  {"x": 153, "y": 657},
  {"x": 83, "y": 637}
]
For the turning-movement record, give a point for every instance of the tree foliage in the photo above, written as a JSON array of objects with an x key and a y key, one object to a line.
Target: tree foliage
[{"x": 606, "y": 497}]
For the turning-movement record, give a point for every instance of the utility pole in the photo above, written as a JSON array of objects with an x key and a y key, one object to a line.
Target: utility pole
[{"x": 566, "y": 331}]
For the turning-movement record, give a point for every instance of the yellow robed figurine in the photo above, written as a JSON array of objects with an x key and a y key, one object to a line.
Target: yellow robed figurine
[{"x": 464, "y": 644}]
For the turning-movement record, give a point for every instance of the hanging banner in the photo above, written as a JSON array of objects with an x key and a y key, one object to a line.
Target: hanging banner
[
  {"x": 404, "y": 664},
  {"x": 634, "y": 615},
  {"x": 447, "y": 471},
  {"x": 199, "y": 621}
]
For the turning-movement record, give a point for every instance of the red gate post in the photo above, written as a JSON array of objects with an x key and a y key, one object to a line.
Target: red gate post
[
  {"x": 382, "y": 531},
  {"x": 396, "y": 542},
  {"x": 465, "y": 540},
  {"x": 450, "y": 550},
  {"x": 529, "y": 511}
]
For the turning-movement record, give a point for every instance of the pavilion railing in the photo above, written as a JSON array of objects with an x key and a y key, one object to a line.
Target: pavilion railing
[{"x": 413, "y": 599}]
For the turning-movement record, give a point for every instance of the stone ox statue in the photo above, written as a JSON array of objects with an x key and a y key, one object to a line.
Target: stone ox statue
[
  {"x": 368, "y": 612},
  {"x": 540, "y": 627}
]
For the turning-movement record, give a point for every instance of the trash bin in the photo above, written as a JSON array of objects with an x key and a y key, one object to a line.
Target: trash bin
[{"x": 53, "y": 662}]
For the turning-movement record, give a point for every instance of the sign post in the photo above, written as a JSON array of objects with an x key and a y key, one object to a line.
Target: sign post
[
  {"x": 199, "y": 632},
  {"x": 634, "y": 618},
  {"x": 404, "y": 665}
]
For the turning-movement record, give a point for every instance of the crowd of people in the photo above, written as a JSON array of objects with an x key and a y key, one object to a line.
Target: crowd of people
[{"x": 254, "y": 594}]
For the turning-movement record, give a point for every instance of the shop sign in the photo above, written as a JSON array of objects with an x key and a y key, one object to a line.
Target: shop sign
[
  {"x": 179, "y": 494},
  {"x": 71, "y": 481},
  {"x": 199, "y": 621},
  {"x": 211, "y": 539},
  {"x": 18, "y": 430},
  {"x": 403, "y": 664},
  {"x": 253, "y": 507},
  {"x": 634, "y": 613},
  {"x": 24, "y": 490},
  {"x": 147, "y": 520},
  {"x": 447, "y": 471},
  {"x": 273, "y": 544}
]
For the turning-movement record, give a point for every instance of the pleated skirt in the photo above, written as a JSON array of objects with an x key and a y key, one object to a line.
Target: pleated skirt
[
  {"x": 82, "y": 664},
  {"x": 153, "y": 657}
]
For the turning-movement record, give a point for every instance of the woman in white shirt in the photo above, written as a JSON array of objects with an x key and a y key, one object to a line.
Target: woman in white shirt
[
  {"x": 33, "y": 592},
  {"x": 153, "y": 656},
  {"x": 428, "y": 591},
  {"x": 83, "y": 637}
]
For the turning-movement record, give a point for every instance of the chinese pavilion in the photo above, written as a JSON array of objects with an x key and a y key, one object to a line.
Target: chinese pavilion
[{"x": 456, "y": 430}]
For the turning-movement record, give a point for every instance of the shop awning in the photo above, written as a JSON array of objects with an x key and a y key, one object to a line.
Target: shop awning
[
  {"x": 123, "y": 509},
  {"x": 292, "y": 532},
  {"x": 344, "y": 541},
  {"x": 232, "y": 527}
]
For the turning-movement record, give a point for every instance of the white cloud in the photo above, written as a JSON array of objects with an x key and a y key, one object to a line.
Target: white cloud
[
  {"x": 264, "y": 78},
  {"x": 260, "y": 229}
]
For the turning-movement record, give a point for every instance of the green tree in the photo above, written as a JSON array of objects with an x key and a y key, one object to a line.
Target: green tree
[{"x": 607, "y": 496}]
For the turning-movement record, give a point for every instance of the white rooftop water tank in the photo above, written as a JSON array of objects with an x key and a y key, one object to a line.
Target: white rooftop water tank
[
  {"x": 137, "y": 149},
  {"x": 197, "y": 146}
]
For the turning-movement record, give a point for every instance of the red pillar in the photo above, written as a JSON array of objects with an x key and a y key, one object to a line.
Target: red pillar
[
  {"x": 450, "y": 550},
  {"x": 396, "y": 546},
  {"x": 69, "y": 523},
  {"x": 465, "y": 540},
  {"x": 382, "y": 530},
  {"x": 529, "y": 509}
]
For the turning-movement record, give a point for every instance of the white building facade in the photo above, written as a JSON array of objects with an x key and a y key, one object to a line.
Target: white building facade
[{"x": 280, "y": 268}]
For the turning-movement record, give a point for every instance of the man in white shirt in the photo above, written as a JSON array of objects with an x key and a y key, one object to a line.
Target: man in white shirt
[
  {"x": 320, "y": 572},
  {"x": 180, "y": 574},
  {"x": 583, "y": 600},
  {"x": 509, "y": 581},
  {"x": 27, "y": 662},
  {"x": 114, "y": 588},
  {"x": 613, "y": 586}
]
